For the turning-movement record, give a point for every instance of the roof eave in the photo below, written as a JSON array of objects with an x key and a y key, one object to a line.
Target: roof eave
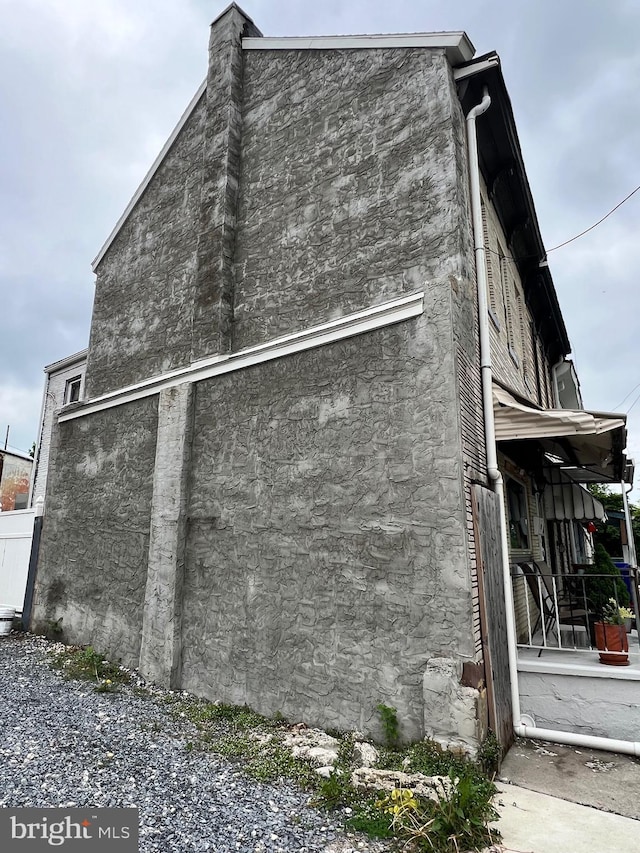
[{"x": 510, "y": 178}]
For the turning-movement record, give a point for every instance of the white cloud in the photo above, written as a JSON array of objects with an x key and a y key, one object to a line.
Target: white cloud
[{"x": 20, "y": 410}]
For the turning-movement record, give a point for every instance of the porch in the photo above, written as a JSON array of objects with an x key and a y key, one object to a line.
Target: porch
[
  {"x": 562, "y": 683},
  {"x": 571, "y": 691}
]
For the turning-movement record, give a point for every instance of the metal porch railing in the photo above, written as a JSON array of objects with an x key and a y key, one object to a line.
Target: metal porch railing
[{"x": 559, "y": 611}]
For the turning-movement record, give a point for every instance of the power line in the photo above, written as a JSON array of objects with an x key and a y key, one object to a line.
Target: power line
[
  {"x": 633, "y": 404},
  {"x": 615, "y": 408},
  {"x": 566, "y": 242},
  {"x": 595, "y": 225}
]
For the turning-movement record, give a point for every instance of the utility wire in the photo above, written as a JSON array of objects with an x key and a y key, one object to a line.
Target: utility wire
[
  {"x": 633, "y": 404},
  {"x": 595, "y": 225},
  {"x": 615, "y": 408},
  {"x": 566, "y": 242}
]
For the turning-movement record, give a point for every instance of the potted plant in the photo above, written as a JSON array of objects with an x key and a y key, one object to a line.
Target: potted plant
[{"x": 611, "y": 635}]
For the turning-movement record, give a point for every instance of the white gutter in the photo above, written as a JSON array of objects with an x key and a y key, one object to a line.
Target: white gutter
[{"x": 524, "y": 726}]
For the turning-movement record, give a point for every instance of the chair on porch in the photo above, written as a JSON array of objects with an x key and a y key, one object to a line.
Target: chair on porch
[{"x": 554, "y": 607}]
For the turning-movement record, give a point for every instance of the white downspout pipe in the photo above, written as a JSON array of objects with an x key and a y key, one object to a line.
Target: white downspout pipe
[
  {"x": 487, "y": 391},
  {"x": 523, "y": 726}
]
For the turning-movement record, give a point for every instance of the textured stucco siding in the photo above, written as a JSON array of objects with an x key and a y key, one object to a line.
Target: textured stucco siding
[
  {"x": 95, "y": 540},
  {"x": 142, "y": 311},
  {"x": 302, "y": 525},
  {"x": 347, "y": 191},
  {"x": 326, "y": 557}
]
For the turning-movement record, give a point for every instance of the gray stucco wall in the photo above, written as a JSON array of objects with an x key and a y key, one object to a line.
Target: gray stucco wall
[
  {"x": 347, "y": 191},
  {"x": 142, "y": 311},
  {"x": 326, "y": 564},
  {"x": 93, "y": 559},
  {"x": 326, "y": 559}
]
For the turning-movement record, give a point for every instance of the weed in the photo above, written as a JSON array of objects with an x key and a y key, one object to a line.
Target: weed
[
  {"x": 390, "y": 725},
  {"x": 53, "y": 629},
  {"x": 335, "y": 791},
  {"x": 84, "y": 663},
  {"x": 204, "y": 714},
  {"x": 490, "y": 754},
  {"x": 457, "y": 820},
  {"x": 369, "y": 818}
]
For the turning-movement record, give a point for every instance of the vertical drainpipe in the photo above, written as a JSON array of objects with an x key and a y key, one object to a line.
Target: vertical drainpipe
[{"x": 487, "y": 391}]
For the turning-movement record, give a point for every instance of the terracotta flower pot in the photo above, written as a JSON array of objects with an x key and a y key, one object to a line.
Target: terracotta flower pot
[{"x": 612, "y": 644}]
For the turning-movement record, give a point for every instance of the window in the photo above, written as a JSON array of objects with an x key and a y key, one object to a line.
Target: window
[
  {"x": 518, "y": 515},
  {"x": 72, "y": 390}
]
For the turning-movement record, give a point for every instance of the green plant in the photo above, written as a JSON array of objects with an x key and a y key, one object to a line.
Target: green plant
[
  {"x": 599, "y": 589},
  {"x": 490, "y": 754},
  {"x": 458, "y": 819},
  {"x": 390, "y": 725},
  {"x": 86, "y": 664},
  {"x": 53, "y": 629},
  {"x": 335, "y": 791},
  {"x": 368, "y": 817},
  {"x": 612, "y": 614}
]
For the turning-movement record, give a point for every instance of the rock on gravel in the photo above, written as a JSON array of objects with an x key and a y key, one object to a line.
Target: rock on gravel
[{"x": 63, "y": 744}]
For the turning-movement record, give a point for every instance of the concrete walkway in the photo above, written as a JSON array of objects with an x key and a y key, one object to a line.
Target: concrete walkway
[
  {"x": 531, "y": 822},
  {"x": 562, "y": 799}
]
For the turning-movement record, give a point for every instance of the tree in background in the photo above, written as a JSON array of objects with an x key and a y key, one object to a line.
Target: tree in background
[
  {"x": 600, "y": 590},
  {"x": 608, "y": 533}
]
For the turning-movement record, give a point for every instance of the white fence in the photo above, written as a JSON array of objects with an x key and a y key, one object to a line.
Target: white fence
[{"x": 16, "y": 533}]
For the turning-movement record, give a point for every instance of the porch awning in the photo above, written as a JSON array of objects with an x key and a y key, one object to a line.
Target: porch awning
[
  {"x": 571, "y": 502},
  {"x": 593, "y": 441}
]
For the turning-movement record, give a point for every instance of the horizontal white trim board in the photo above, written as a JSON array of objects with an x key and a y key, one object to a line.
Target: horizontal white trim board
[{"x": 367, "y": 320}]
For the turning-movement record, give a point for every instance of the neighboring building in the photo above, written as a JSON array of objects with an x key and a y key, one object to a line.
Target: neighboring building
[
  {"x": 278, "y": 488},
  {"x": 63, "y": 384},
  {"x": 15, "y": 476}
]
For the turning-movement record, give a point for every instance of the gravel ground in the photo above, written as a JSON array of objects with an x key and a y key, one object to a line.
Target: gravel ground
[{"x": 63, "y": 744}]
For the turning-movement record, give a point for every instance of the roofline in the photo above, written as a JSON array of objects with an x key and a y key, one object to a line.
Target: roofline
[
  {"x": 184, "y": 118},
  {"x": 477, "y": 66},
  {"x": 17, "y": 453},
  {"x": 69, "y": 361},
  {"x": 457, "y": 45},
  {"x": 488, "y": 66}
]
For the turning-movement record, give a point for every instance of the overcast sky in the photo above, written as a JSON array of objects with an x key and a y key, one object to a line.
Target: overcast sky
[{"x": 91, "y": 89}]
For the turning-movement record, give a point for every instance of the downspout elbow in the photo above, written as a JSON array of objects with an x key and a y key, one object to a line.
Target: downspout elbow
[
  {"x": 495, "y": 474},
  {"x": 480, "y": 108}
]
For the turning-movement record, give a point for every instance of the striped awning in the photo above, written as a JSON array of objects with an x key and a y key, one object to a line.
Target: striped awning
[
  {"x": 571, "y": 502},
  {"x": 592, "y": 441}
]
